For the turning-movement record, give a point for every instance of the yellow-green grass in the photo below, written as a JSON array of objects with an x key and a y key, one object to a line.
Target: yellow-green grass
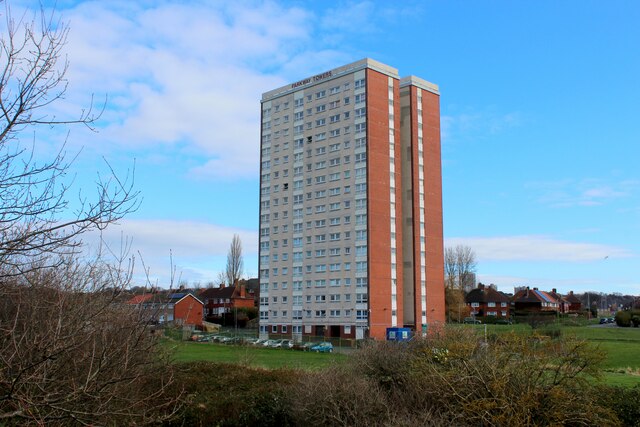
[
  {"x": 621, "y": 346},
  {"x": 253, "y": 356}
]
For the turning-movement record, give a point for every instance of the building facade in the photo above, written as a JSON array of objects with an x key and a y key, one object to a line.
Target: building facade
[{"x": 351, "y": 204}]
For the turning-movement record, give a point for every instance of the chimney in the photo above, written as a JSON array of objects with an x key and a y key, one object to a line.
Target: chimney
[
  {"x": 554, "y": 291},
  {"x": 222, "y": 285},
  {"x": 535, "y": 289},
  {"x": 570, "y": 292},
  {"x": 480, "y": 286},
  {"x": 243, "y": 292}
]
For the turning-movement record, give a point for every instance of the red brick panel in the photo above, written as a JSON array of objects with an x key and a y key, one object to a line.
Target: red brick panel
[
  {"x": 189, "y": 310},
  {"x": 378, "y": 206}
]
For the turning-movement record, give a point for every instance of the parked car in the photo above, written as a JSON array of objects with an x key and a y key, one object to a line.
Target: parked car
[
  {"x": 611, "y": 320},
  {"x": 273, "y": 343},
  {"x": 286, "y": 344},
  {"x": 472, "y": 321},
  {"x": 323, "y": 347},
  {"x": 603, "y": 320},
  {"x": 259, "y": 341}
]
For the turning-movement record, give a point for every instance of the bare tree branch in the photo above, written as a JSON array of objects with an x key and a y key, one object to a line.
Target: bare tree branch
[{"x": 235, "y": 263}]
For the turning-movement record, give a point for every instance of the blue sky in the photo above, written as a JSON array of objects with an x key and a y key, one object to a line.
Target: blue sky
[{"x": 539, "y": 105}]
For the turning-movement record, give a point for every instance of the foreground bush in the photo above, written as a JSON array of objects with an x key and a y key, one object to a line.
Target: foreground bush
[
  {"x": 71, "y": 353},
  {"x": 455, "y": 379},
  {"x": 233, "y": 395},
  {"x": 452, "y": 378}
]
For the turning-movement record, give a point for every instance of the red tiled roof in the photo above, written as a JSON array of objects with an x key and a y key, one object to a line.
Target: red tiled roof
[{"x": 139, "y": 299}]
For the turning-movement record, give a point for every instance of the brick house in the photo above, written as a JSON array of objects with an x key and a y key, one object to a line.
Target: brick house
[
  {"x": 224, "y": 299},
  {"x": 485, "y": 301},
  {"x": 535, "y": 301},
  {"x": 182, "y": 308},
  {"x": 575, "y": 305}
]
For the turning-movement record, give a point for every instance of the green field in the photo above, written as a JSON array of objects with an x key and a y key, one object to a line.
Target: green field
[
  {"x": 621, "y": 346},
  {"x": 254, "y": 356}
]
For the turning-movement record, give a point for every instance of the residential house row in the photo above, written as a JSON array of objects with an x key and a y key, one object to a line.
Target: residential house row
[{"x": 486, "y": 301}]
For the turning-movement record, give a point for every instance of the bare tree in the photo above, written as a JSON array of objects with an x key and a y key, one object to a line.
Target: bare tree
[
  {"x": 33, "y": 193},
  {"x": 221, "y": 278},
  {"x": 459, "y": 264},
  {"x": 234, "y": 260},
  {"x": 70, "y": 351}
]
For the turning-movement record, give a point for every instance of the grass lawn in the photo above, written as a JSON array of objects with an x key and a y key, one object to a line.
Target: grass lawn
[
  {"x": 621, "y": 345},
  {"x": 259, "y": 357}
]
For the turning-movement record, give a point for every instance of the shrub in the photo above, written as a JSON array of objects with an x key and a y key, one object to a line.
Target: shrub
[
  {"x": 624, "y": 401},
  {"x": 623, "y": 318},
  {"x": 233, "y": 395}
]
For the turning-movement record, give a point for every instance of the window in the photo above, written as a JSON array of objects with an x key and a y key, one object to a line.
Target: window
[
  {"x": 334, "y": 251},
  {"x": 321, "y": 122},
  {"x": 359, "y": 99},
  {"x": 321, "y": 94},
  {"x": 361, "y": 127},
  {"x": 334, "y": 90},
  {"x": 334, "y": 236},
  {"x": 491, "y": 304},
  {"x": 320, "y": 108},
  {"x": 360, "y": 112},
  {"x": 321, "y": 150},
  {"x": 334, "y": 133},
  {"x": 334, "y": 118},
  {"x": 359, "y": 84}
]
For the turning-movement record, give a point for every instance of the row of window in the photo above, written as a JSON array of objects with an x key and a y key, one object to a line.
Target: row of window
[
  {"x": 489, "y": 304},
  {"x": 361, "y": 298},
  {"x": 296, "y": 271},
  {"x": 361, "y": 282},
  {"x": 334, "y": 90},
  {"x": 298, "y": 314}
]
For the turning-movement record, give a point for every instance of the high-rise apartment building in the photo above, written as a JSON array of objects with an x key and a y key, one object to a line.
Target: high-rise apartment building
[{"x": 351, "y": 204}]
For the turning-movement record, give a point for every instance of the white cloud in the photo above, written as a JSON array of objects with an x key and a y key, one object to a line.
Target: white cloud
[
  {"x": 185, "y": 75},
  {"x": 474, "y": 124},
  {"x": 537, "y": 248},
  {"x": 199, "y": 245},
  {"x": 585, "y": 192}
]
